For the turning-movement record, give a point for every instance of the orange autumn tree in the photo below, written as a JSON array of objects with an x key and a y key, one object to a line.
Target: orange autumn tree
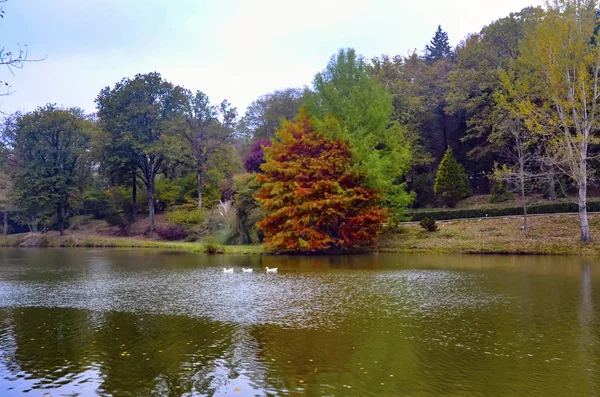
[{"x": 312, "y": 199}]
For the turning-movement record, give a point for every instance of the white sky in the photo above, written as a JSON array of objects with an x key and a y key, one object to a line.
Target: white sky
[{"x": 235, "y": 50}]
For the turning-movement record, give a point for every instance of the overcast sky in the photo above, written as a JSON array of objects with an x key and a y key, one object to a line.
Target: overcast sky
[{"x": 235, "y": 50}]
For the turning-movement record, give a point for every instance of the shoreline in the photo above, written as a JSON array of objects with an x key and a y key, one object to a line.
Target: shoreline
[{"x": 555, "y": 235}]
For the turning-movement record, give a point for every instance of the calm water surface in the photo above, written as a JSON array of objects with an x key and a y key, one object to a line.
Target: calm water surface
[{"x": 128, "y": 323}]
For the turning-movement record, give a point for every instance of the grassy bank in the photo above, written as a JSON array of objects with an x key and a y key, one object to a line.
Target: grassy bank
[
  {"x": 547, "y": 235},
  {"x": 71, "y": 239}
]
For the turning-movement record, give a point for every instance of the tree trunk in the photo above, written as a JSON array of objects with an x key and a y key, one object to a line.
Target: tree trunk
[
  {"x": 5, "y": 222},
  {"x": 33, "y": 220},
  {"x": 524, "y": 203},
  {"x": 151, "y": 201},
  {"x": 134, "y": 199},
  {"x": 583, "y": 217},
  {"x": 199, "y": 179},
  {"x": 551, "y": 186}
]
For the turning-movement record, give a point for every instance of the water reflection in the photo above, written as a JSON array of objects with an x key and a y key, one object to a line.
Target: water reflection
[{"x": 131, "y": 323}]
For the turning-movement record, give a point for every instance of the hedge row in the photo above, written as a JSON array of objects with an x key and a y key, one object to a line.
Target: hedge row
[{"x": 545, "y": 208}]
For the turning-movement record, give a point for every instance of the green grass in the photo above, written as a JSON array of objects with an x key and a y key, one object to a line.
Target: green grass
[{"x": 125, "y": 242}]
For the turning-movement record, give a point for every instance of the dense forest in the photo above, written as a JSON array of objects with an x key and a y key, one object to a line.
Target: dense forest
[{"x": 510, "y": 108}]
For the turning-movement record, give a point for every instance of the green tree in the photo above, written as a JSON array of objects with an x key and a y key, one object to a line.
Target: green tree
[
  {"x": 264, "y": 115},
  {"x": 207, "y": 130},
  {"x": 451, "y": 182},
  {"x": 439, "y": 47},
  {"x": 50, "y": 149},
  {"x": 139, "y": 115},
  {"x": 419, "y": 94},
  {"x": 475, "y": 81},
  {"x": 379, "y": 145},
  {"x": 557, "y": 94}
]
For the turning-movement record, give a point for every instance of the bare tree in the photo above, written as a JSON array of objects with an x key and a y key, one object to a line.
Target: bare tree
[
  {"x": 12, "y": 59},
  {"x": 521, "y": 170}
]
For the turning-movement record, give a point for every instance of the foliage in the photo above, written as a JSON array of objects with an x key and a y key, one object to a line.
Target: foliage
[
  {"x": 50, "y": 152},
  {"x": 265, "y": 114},
  {"x": 138, "y": 114},
  {"x": 226, "y": 224},
  {"x": 246, "y": 186},
  {"x": 555, "y": 90},
  {"x": 256, "y": 157},
  {"x": 311, "y": 198},
  {"x": 171, "y": 232},
  {"x": 168, "y": 193},
  {"x": 208, "y": 130},
  {"x": 499, "y": 193},
  {"x": 379, "y": 147},
  {"x": 186, "y": 217},
  {"x": 429, "y": 224},
  {"x": 451, "y": 182},
  {"x": 438, "y": 48},
  {"x": 96, "y": 202}
]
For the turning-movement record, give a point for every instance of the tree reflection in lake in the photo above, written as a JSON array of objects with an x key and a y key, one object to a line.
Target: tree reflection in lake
[{"x": 129, "y": 323}]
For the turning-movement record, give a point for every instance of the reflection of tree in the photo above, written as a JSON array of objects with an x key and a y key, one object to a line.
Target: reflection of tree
[
  {"x": 50, "y": 345},
  {"x": 134, "y": 354},
  {"x": 587, "y": 339},
  {"x": 160, "y": 353}
]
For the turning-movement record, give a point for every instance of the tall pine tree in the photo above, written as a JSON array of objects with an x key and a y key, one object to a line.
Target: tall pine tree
[{"x": 439, "y": 47}]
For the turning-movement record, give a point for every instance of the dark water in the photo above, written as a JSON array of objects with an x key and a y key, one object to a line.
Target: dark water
[{"x": 129, "y": 323}]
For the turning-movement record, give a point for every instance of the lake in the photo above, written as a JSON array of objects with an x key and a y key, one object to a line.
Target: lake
[{"x": 128, "y": 323}]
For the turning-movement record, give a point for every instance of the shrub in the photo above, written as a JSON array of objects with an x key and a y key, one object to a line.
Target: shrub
[
  {"x": 451, "y": 182},
  {"x": 186, "y": 217},
  {"x": 212, "y": 248},
  {"x": 256, "y": 157},
  {"x": 248, "y": 211},
  {"x": 544, "y": 208},
  {"x": 171, "y": 232},
  {"x": 499, "y": 193},
  {"x": 428, "y": 223}
]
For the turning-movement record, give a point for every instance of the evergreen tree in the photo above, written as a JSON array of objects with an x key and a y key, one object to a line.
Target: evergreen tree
[
  {"x": 451, "y": 182},
  {"x": 439, "y": 47}
]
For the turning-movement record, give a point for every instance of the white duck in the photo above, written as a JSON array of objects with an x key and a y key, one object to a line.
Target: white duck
[
  {"x": 271, "y": 270},
  {"x": 227, "y": 270},
  {"x": 246, "y": 270}
]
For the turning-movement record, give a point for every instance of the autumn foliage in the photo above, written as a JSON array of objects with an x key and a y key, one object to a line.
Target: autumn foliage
[{"x": 312, "y": 200}]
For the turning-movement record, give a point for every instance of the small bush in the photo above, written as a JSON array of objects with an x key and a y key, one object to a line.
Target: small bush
[
  {"x": 429, "y": 224},
  {"x": 171, "y": 232},
  {"x": 211, "y": 248},
  {"x": 499, "y": 193},
  {"x": 186, "y": 217},
  {"x": 542, "y": 208}
]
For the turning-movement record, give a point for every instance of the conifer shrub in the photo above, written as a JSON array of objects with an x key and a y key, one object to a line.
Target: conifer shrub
[{"x": 451, "y": 182}]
